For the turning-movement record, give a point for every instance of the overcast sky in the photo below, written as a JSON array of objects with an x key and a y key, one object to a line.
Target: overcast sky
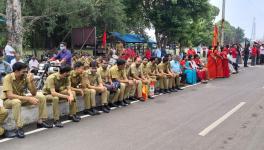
[{"x": 241, "y": 13}]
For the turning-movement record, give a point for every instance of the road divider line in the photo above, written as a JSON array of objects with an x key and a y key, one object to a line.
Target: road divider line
[{"x": 220, "y": 120}]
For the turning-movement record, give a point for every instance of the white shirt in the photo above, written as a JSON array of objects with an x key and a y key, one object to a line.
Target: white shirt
[
  {"x": 9, "y": 50},
  {"x": 13, "y": 61},
  {"x": 262, "y": 50},
  {"x": 33, "y": 64}
]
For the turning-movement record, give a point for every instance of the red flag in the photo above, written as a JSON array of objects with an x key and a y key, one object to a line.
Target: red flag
[
  {"x": 104, "y": 40},
  {"x": 215, "y": 38}
]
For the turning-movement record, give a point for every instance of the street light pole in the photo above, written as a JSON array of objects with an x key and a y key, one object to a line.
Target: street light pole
[{"x": 223, "y": 22}]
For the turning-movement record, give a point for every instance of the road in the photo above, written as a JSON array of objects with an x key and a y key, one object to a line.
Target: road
[{"x": 169, "y": 122}]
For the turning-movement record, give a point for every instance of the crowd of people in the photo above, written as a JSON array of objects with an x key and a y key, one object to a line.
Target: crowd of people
[{"x": 119, "y": 79}]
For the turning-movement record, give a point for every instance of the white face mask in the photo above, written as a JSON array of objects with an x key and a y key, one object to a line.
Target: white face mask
[{"x": 62, "y": 47}]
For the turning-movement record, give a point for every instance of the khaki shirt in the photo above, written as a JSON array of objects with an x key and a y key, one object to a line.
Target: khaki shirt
[
  {"x": 163, "y": 66},
  {"x": 75, "y": 79},
  {"x": 18, "y": 87},
  {"x": 94, "y": 80},
  {"x": 105, "y": 74},
  {"x": 116, "y": 73},
  {"x": 55, "y": 82},
  {"x": 135, "y": 71},
  {"x": 152, "y": 68},
  {"x": 145, "y": 70}
]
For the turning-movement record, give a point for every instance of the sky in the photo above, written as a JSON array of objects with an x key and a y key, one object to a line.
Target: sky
[{"x": 241, "y": 13}]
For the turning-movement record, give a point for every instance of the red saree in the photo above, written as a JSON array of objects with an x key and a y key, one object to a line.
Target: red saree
[
  {"x": 219, "y": 65},
  {"x": 211, "y": 65}
]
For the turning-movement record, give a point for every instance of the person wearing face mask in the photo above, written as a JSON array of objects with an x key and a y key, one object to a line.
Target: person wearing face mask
[
  {"x": 96, "y": 85},
  {"x": 33, "y": 65},
  {"x": 64, "y": 55},
  {"x": 58, "y": 87},
  {"x": 14, "y": 87}
]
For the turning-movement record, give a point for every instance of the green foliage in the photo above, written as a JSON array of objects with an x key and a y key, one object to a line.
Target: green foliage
[
  {"x": 188, "y": 22},
  {"x": 232, "y": 34}
]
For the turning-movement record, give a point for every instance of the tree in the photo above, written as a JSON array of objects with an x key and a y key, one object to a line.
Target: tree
[
  {"x": 177, "y": 20},
  {"x": 232, "y": 34}
]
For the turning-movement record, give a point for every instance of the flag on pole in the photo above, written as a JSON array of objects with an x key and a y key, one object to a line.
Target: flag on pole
[
  {"x": 215, "y": 38},
  {"x": 104, "y": 40}
]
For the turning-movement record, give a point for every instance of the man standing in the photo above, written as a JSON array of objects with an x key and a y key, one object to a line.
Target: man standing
[
  {"x": 77, "y": 79},
  {"x": 9, "y": 52},
  {"x": 58, "y": 87},
  {"x": 96, "y": 85},
  {"x": 246, "y": 55},
  {"x": 64, "y": 56},
  {"x": 14, "y": 86}
]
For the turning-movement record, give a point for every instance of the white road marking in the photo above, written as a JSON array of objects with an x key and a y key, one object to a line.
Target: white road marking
[{"x": 220, "y": 120}]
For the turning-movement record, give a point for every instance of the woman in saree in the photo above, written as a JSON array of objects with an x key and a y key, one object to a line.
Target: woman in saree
[
  {"x": 191, "y": 75},
  {"x": 211, "y": 63}
]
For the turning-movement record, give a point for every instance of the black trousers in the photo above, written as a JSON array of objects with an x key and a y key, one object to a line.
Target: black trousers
[{"x": 246, "y": 60}]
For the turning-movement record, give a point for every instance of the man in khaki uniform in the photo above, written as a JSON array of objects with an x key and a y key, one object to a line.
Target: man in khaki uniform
[
  {"x": 136, "y": 74},
  {"x": 96, "y": 85},
  {"x": 164, "y": 70},
  {"x": 58, "y": 87},
  {"x": 3, "y": 115},
  {"x": 14, "y": 87},
  {"x": 154, "y": 73},
  {"x": 131, "y": 94},
  {"x": 77, "y": 80},
  {"x": 118, "y": 73},
  {"x": 107, "y": 81},
  {"x": 145, "y": 71}
]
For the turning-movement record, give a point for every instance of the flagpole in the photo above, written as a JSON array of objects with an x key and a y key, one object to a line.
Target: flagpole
[{"x": 223, "y": 22}]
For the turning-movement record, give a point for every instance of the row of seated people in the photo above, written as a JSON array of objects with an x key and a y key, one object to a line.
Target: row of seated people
[{"x": 118, "y": 85}]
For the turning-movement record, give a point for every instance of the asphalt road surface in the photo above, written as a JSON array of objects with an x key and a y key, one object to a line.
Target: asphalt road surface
[{"x": 225, "y": 114}]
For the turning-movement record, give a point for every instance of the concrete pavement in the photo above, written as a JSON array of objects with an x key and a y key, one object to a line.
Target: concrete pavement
[{"x": 170, "y": 122}]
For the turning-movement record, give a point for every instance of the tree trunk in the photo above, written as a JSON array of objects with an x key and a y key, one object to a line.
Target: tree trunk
[{"x": 14, "y": 24}]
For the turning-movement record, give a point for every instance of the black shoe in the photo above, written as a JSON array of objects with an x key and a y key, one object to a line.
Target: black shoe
[
  {"x": 105, "y": 110},
  {"x": 10, "y": 134},
  {"x": 141, "y": 99},
  {"x": 20, "y": 133},
  {"x": 163, "y": 91},
  {"x": 127, "y": 101},
  {"x": 107, "y": 107},
  {"x": 167, "y": 91},
  {"x": 73, "y": 118},
  {"x": 58, "y": 124},
  {"x": 175, "y": 90},
  {"x": 44, "y": 125},
  {"x": 113, "y": 105},
  {"x": 88, "y": 112},
  {"x": 156, "y": 92},
  {"x": 150, "y": 97},
  {"x": 132, "y": 99},
  {"x": 122, "y": 104},
  {"x": 178, "y": 88},
  {"x": 96, "y": 112},
  {"x": 78, "y": 117}
]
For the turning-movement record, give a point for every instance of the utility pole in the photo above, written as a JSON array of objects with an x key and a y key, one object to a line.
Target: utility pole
[
  {"x": 253, "y": 34},
  {"x": 223, "y": 22}
]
